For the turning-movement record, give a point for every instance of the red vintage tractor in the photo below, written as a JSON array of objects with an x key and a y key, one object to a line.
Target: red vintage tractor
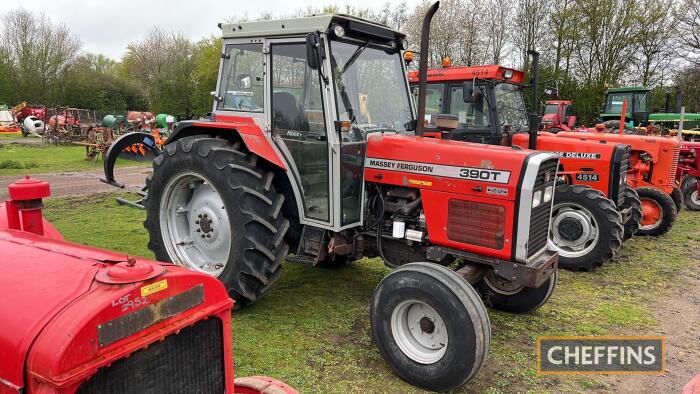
[
  {"x": 313, "y": 147},
  {"x": 87, "y": 320},
  {"x": 689, "y": 173},
  {"x": 587, "y": 229},
  {"x": 558, "y": 116}
]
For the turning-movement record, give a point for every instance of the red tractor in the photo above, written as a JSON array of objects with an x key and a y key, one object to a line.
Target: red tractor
[
  {"x": 87, "y": 320},
  {"x": 313, "y": 147},
  {"x": 689, "y": 174},
  {"x": 557, "y": 116},
  {"x": 593, "y": 211}
]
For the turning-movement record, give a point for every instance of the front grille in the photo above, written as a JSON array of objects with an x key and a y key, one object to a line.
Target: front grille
[
  {"x": 624, "y": 167},
  {"x": 476, "y": 223},
  {"x": 674, "y": 167},
  {"x": 189, "y": 362},
  {"x": 539, "y": 217}
]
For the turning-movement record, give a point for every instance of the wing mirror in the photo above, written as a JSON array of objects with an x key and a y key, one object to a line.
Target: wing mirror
[
  {"x": 469, "y": 95},
  {"x": 313, "y": 51}
]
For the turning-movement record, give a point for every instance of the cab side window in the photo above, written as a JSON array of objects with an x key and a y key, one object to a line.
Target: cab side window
[{"x": 242, "y": 84}]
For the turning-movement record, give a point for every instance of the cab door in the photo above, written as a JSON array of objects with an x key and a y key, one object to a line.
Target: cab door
[{"x": 300, "y": 130}]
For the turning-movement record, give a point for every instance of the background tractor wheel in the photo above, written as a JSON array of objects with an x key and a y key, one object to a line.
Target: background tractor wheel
[
  {"x": 508, "y": 296},
  {"x": 212, "y": 208},
  {"x": 677, "y": 196},
  {"x": 430, "y": 326},
  {"x": 658, "y": 209},
  {"x": 690, "y": 194},
  {"x": 586, "y": 227},
  {"x": 635, "y": 219}
]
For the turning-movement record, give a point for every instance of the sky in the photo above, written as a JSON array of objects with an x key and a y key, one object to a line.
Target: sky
[{"x": 107, "y": 27}]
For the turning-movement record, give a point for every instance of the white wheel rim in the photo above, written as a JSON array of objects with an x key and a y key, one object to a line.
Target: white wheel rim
[
  {"x": 695, "y": 198},
  {"x": 419, "y": 331},
  {"x": 194, "y": 224},
  {"x": 587, "y": 234}
]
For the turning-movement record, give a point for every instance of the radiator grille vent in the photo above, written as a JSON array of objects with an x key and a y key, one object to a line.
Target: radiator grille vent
[{"x": 476, "y": 223}]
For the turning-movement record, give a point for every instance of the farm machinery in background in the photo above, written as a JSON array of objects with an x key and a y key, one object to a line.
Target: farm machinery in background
[
  {"x": 290, "y": 168},
  {"x": 88, "y": 320},
  {"x": 594, "y": 209},
  {"x": 22, "y": 117}
]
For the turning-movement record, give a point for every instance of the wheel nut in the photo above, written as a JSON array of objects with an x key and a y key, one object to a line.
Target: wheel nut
[
  {"x": 203, "y": 235},
  {"x": 199, "y": 230},
  {"x": 199, "y": 216},
  {"x": 196, "y": 222},
  {"x": 208, "y": 235},
  {"x": 205, "y": 215}
]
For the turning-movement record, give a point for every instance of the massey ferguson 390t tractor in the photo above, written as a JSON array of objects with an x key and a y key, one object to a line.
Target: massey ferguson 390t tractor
[
  {"x": 77, "y": 319},
  {"x": 313, "y": 147},
  {"x": 594, "y": 210}
]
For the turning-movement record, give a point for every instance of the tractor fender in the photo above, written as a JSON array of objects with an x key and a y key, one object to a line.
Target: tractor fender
[
  {"x": 144, "y": 140},
  {"x": 250, "y": 132}
]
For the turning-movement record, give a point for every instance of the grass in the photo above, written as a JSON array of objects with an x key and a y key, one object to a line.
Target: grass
[
  {"x": 10, "y": 136},
  {"x": 312, "y": 328},
  {"x": 16, "y": 159}
]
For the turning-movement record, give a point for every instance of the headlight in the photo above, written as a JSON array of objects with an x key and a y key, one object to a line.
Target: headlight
[
  {"x": 339, "y": 31},
  {"x": 404, "y": 44},
  {"x": 536, "y": 198},
  {"x": 548, "y": 191},
  {"x": 508, "y": 74}
]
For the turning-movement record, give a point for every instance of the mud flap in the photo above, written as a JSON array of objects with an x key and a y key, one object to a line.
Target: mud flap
[{"x": 133, "y": 146}]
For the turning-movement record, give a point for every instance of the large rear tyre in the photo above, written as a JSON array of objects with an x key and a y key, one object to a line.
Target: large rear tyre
[
  {"x": 508, "y": 296},
  {"x": 690, "y": 194},
  {"x": 658, "y": 209},
  {"x": 586, "y": 227},
  {"x": 212, "y": 208},
  {"x": 677, "y": 196},
  {"x": 631, "y": 225},
  {"x": 430, "y": 326}
]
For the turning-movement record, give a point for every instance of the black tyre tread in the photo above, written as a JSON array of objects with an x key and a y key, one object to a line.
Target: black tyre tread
[
  {"x": 635, "y": 219},
  {"x": 612, "y": 222},
  {"x": 689, "y": 187},
  {"x": 677, "y": 196},
  {"x": 249, "y": 190},
  {"x": 667, "y": 205},
  {"x": 466, "y": 295}
]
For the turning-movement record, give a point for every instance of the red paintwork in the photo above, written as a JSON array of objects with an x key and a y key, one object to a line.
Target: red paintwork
[
  {"x": 552, "y": 121},
  {"x": 468, "y": 73},
  {"x": 39, "y": 112},
  {"x": 440, "y": 190},
  {"x": 689, "y": 161},
  {"x": 252, "y": 135},
  {"x": 662, "y": 151}
]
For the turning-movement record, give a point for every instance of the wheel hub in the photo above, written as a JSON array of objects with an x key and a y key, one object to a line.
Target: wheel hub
[
  {"x": 570, "y": 229},
  {"x": 426, "y": 325},
  {"x": 652, "y": 214},
  {"x": 419, "y": 331}
]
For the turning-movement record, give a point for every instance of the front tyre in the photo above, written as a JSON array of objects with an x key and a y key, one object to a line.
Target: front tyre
[
  {"x": 212, "y": 208},
  {"x": 508, "y": 296},
  {"x": 586, "y": 228},
  {"x": 631, "y": 225},
  {"x": 658, "y": 209},
  {"x": 690, "y": 194},
  {"x": 430, "y": 326},
  {"x": 677, "y": 197}
]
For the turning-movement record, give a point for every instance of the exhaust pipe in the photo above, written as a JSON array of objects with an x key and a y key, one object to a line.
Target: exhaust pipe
[
  {"x": 534, "y": 86},
  {"x": 423, "y": 67}
]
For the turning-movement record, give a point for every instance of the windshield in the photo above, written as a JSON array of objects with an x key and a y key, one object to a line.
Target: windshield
[
  {"x": 550, "y": 109},
  {"x": 614, "y": 103},
  {"x": 511, "y": 107},
  {"x": 370, "y": 89}
]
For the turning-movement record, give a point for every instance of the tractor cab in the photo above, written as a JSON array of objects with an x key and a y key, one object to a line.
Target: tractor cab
[
  {"x": 321, "y": 85},
  {"x": 487, "y": 100},
  {"x": 558, "y": 116},
  {"x": 638, "y": 104}
]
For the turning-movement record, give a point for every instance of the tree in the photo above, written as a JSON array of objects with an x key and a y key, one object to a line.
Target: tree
[
  {"x": 654, "y": 41},
  {"x": 529, "y": 27},
  {"x": 687, "y": 17}
]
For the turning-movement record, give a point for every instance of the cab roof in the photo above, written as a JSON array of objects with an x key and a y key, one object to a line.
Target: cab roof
[
  {"x": 451, "y": 74},
  {"x": 306, "y": 25},
  {"x": 626, "y": 89}
]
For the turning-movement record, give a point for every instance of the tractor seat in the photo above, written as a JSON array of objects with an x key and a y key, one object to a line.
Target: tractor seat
[{"x": 287, "y": 114}]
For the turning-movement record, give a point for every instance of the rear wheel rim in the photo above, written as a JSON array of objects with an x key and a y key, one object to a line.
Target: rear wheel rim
[
  {"x": 574, "y": 231},
  {"x": 695, "y": 198},
  {"x": 194, "y": 224},
  {"x": 419, "y": 331},
  {"x": 652, "y": 214}
]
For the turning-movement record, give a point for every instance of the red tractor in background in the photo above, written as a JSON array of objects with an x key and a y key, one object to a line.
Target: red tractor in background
[
  {"x": 689, "y": 174},
  {"x": 313, "y": 147},
  {"x": 594, "y": 210},
  {"x": 87, "y": 320},
  {"x": 558, "y": 116}
]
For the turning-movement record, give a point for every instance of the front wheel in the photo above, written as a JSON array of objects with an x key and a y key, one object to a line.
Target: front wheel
[
  {"x": 430, "y": 326},
  {"x": 658, "y": 209},
  {"x": 586, "y": 228},
  {"x": 690, "y": 194},
  {"x": 211, "y": 207},
  {"x": 634, "y": 220},
  {"x": 677, "y": 197},
  {"x": 508, "y": 296}
]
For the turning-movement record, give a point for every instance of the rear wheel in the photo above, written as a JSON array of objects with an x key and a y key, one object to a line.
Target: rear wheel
[
  {"x": 677, "y": 196},
  {"x": 690, "y": 194},
  {"x": 508, "y": 296},
  {"x": 631, "y": 225},
  {"x": 430, "y": 326},
  {"x": 586, "y": 228},
  {"x": 658, "y": 210},
  {"x": 211, "y": 208}
]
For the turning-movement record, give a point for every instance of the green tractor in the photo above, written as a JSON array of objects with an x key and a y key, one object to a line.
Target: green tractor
[{"x": 638, "y": 105}]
